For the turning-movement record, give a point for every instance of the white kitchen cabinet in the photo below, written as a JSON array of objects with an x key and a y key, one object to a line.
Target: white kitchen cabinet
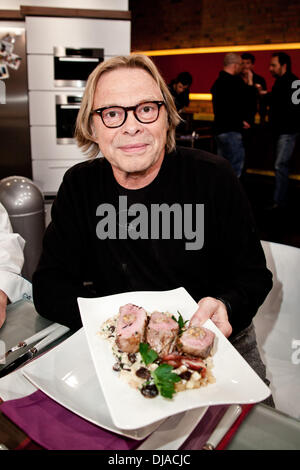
[
  {"x": 50, "y": 159},
  {"x": 44, "y": 33},
  {"x": 48, "y": 174},
  {"x": 44, "y": 146}
]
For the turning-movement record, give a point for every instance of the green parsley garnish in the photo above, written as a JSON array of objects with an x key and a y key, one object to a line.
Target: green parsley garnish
[
  {"x": 148, "y": 355},
  {"x": 181, "y": 323},
  {"x": 165, "y": 379}
]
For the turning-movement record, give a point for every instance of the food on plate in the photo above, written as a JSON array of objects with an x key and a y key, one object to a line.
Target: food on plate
[
  {"x": 162, "y": 333},
  {"x": 197, "y": 341},
  {"x": 157, "y": 353},
  {"x": 130, "y": 328}
]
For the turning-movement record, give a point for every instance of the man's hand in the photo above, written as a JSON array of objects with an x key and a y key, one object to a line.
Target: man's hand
[
  {"x": 246, "y": 125},
  {"x": 214, "y": 309},
  {"x": 260, "y": 89},
  {"x": 250, "y": 77},
  {"x": 3, "y": 304}
]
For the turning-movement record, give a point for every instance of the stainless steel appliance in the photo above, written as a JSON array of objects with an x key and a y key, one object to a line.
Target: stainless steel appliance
[
  {"x": 67, "y": 108},
  {"x": 15, "y": 157},
  {"x": 73, "y": 66}
]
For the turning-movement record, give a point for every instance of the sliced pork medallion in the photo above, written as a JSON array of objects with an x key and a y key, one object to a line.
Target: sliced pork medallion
[
  {"x": 162, "y": 333},
  {"x": 130, "y": 328},
  {"x": 197, "y": 341}
]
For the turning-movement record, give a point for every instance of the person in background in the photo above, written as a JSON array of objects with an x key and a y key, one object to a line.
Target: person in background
[
  {"x": 231, "y": 98},
  {"x": 180, "y": 89},
  {"x": 285, "y": 122},
  {"x": 90, "y": 250},
  {"x": 249, "y": 76},
  {"x": 12, "y": 285}
]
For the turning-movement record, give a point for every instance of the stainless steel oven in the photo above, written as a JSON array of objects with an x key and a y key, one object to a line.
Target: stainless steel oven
[
  {"x": 73, "y": 66},
  {"x": 67, "y": 107}
]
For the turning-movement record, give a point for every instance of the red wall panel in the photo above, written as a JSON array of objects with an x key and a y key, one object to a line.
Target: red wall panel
[{"x": 206, "y": 67}]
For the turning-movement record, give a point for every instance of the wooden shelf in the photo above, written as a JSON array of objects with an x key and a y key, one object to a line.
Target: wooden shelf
[
  {"x": 64, "y": 12},
  {"x": 10, "y": 15},
  {"x": 75, "y": 13}
]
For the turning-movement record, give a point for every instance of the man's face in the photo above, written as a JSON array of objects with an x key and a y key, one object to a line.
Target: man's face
[
  {"x": 134, "y": 147},
  {"x": 180, "y": 88},
  {"x": 275, "y": 68},
  {"x": 246, "y": 65}
]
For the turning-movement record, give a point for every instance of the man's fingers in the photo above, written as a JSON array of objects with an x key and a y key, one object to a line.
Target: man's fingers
[{"x": 214, "y": 309}]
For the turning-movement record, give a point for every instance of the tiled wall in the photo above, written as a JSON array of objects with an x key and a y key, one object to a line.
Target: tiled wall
[{"x": 169, "y": 24}]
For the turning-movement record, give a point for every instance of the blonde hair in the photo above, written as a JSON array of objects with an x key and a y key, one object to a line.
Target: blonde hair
[{"x": 84, "y": 125}]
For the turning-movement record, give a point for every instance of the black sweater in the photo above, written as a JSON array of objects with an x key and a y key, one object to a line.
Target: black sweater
[
  {"x": 232, "y": 103},
  {"x": 284, "y": 114},
  {"x": 75, "y": 262}
]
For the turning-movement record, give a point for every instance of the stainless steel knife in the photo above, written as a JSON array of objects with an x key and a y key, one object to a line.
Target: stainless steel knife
[
  {"x": 32, "y": 352},
  {"x": 223, "y": 427},
  {"x": 26, "y": 342}
]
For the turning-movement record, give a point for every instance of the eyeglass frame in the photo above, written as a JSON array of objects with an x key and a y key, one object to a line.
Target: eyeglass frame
[{"x": 99, "y": 111}]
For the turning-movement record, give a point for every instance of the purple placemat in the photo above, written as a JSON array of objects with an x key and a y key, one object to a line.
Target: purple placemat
[{"x": 53, "y": 427}]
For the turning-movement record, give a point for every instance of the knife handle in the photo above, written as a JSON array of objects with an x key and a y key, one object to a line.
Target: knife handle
[
  {"x": 57, "y": 333},
  {"x": 223, "y": 426},
  {"x": 41, "y": 334}
]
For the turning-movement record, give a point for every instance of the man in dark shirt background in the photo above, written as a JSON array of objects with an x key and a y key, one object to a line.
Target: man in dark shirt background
[
  {"x": 247, "y": 73},
  {"x": 231, "y": 98},
  {"x": 285, "y": 122},
  {"x": 180, "y": 89}
]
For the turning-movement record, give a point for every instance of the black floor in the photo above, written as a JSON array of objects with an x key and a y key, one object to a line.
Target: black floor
[{"x": 277, "y": 225}]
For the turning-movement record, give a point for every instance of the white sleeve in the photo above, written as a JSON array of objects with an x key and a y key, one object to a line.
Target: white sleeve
[{"x": 11, "y": 260}]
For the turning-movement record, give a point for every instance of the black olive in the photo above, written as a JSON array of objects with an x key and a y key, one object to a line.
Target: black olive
[
  {"x": 132, "y": 357},
  {"x": 149, "y": 391},
  {"x": 143, "y": 373},
  {"x": 117, "y": 367},
  {"x": 185, "y": 375}
]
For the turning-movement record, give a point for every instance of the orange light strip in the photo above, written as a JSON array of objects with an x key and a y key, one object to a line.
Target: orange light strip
[
  {"x": 200, "y": 96},
  {"x": 255, "y": 171},
  {"x": 207, "y": 50}
]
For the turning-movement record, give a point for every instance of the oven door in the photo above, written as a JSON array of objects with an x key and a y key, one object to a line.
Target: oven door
[
  {"x": 73, "y": 66},
  {"x": 67, "y": 108}
]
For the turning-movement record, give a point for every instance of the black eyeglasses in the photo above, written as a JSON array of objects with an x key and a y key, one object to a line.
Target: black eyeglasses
[{"x": 115, "y": 116}]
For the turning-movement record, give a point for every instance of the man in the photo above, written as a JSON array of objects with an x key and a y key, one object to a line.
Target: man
[
  {"x": 180, "y": 89},
  {"x": 285, "y": 122},
  {"x": 90, "y": 250},
  {"x": 12, "y": 285},
  {"x": 248, "y": 75},
  {"x": 231, "y": 97}
]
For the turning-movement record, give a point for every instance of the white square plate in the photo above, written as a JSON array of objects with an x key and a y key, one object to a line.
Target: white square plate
[
  {"x": 236, "y": 382},
  {"x": 67, "y": 375}
]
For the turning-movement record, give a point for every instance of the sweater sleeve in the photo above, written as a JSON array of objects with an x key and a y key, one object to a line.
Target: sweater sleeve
[
  {"x": 244, "y": 280},
  {"x": 60, "y": 275}
]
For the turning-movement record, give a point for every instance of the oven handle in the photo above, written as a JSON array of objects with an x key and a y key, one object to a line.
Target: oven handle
[
  {"x": 57, "y": 167},
  {"x": 77, "y": 59},
  {"x": 69, "y": 106}
]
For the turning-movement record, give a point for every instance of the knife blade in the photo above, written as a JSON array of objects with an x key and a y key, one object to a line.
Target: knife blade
[
  {"x": 223, "y": 427},
  {"x": 26, "y": 342},
  {"x": 32, "y": 352}
]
